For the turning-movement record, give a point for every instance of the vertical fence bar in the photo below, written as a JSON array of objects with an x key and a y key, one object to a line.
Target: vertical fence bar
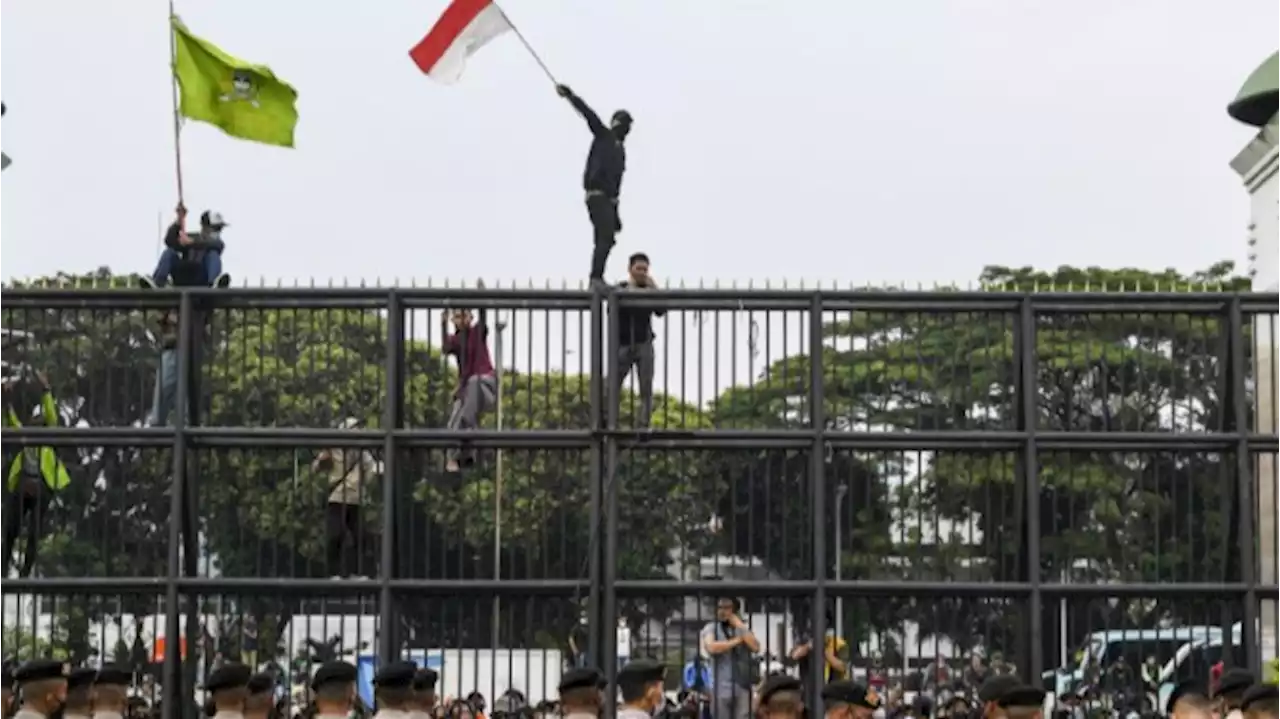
[
  {"x": 392, "y": 419},
  {"x": 818, "y": 490},
  {"x": 178, "y": 513},
  {"x": 1028, "y": 395},
  {"x": 1244, "y": 487},
  {"x": 612, "y": 394},
  {"x": 597, "y": 475}
]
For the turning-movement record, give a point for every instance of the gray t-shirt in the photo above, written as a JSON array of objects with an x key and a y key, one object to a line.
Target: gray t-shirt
[{"x": 731, "y": 669}]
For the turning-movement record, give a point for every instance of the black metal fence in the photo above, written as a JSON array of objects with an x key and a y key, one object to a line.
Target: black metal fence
[{"x": 1003, "y": 475}]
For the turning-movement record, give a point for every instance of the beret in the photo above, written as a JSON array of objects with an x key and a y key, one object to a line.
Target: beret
[
  {"x": 228, "y": 676},
  {"x": 333, "y": 673},
  {"x": 778, "y": 683},
  {"x": 580, "y": 679}
]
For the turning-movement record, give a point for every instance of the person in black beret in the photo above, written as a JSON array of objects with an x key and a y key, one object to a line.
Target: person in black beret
[
  {"x": 847, "y": 699},
  {"x": 111, "y": 692},
  {"x": 43, "y": 685},
  {"x": 990, "y": 692},
  {"x": 7, "y": 708},
  {"x": 782, "y": 697},
  {"x": 579, "y": 691},
  {"x": 1022, "y": 702},
  {"x": 79, "y": 701},
  {"x": 1230, "y": 690},
  {"x": 261, "y": 696},
  {"x": 1187, "y": 700},
  {"x": 424, "y": 693},
  {"x": 334, "y": 684},
  {"x": 228, "y": 687},
  {"x": 640, "y": 683},
  {"x": 393, "y": 689},
  {"x": 1260, "y": 701}
]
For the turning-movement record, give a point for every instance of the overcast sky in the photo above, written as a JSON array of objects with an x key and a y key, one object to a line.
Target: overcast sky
[{"x": 859, "y": 141}]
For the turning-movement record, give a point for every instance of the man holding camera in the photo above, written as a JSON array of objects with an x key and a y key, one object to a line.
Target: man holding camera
[{"x": 730, "y": 644}]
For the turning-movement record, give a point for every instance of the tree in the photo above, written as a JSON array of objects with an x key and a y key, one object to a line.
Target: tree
[{"x": 957, "y": 514}]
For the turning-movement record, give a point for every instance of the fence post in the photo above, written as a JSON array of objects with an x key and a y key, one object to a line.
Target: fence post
[
  {"x": 818, "y": 489},
  {"x": 392, "y": 419},
  {"x": 180, "y": 513},
  {"x": 1244, "y": 486},
  {"x": 594, "y": 523},
  {"x": 1028, "y": 407}
]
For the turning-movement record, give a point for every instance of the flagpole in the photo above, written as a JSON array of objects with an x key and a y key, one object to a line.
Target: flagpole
[
  {"x": 177, "y": 113},
  {"x": 527, "y": 46}
]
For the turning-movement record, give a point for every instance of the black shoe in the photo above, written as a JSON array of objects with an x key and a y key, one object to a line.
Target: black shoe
[
  {"x": 222, "y": 281},
  {"x": 147, "y": 283}
]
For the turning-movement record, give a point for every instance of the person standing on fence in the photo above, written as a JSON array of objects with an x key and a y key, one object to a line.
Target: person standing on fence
[
  {"x": 191, "y": 259},
  {"x": 730, "y": 644},
  {"x": 36, "y": 476},
  {"x": 334, "y": 687},
  {"x": 42, "y": 684},
  {"x": 602, "y": 178},
  {"x": 349, "y": 473},
  {"x": 579, "y": 691},
  {"x": 635, "y": 340},
  {"x": 477, "y": 391}
]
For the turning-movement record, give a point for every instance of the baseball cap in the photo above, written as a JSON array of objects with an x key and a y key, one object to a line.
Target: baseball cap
[{"x": 213, "y": 218}]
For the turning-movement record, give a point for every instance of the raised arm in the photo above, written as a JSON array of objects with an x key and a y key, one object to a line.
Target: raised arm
[{"x": 593, "y": 120}]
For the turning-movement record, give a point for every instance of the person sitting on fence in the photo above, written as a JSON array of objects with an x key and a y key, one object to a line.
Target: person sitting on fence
[
  {"x": 191, "y": 260},
  {"x": 477, "y": 388},
  {"x": 36, "y": 475}
]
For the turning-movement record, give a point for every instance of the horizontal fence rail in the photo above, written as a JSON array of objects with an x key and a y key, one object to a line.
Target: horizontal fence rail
[{"x": 949, "y": 483}]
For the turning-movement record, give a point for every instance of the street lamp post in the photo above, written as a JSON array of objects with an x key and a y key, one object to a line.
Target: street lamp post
[
  {"x": 841, "y": 490},
  {"x": 497, "y": 482}
]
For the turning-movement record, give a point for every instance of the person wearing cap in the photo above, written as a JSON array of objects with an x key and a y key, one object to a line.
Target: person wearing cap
[
  {"x": 191, "y": 259},
  {"x": 42, "y": 684},
  {"x": 579, "y": 691},
  {"x": 640, "y": 683},
  {"x": 393, "y": 690},
  {"x": 1229, "y": 691},
  {"x": 602, "y": 178},
  {"x": 228, "y": 687},
  {"x": 1022, "y": 702},
  {"x": 350, "y": 474},
  {"x": 6, "y": 704},
  {"x": 990, "y": 692},
  {"x": 846, "y": 699},
  {"x": 424, "y": 693},
  {"x": 1260, "y": 701},
  {"x": 334, "y": 685},
  {"x": 261, "y": 697},
  {"x": 111, "y": 692},
  {"x": 781, "y": 697},
  {"x": 79, "y": 701}
]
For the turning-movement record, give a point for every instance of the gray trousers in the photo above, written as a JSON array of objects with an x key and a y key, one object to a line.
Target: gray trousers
[
  {"x": 166, "y": 391},
  {"x": 735, "y": 706},
  {"x": 640, "y": 357},
  {"x": 479, "y": 395}
]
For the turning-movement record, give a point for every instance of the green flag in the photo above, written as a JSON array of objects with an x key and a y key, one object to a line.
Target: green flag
[{"x": 244, "y": 100}]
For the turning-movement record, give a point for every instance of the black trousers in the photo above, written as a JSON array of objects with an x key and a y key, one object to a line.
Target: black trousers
[
  {"x": 24, "y": 508},
  {"x": 341, "y": 520},
  {"x": 603, "y": 212}
]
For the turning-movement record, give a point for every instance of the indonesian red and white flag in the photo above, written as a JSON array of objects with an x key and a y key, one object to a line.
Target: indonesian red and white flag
[{"x": 464, "y": 28}]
